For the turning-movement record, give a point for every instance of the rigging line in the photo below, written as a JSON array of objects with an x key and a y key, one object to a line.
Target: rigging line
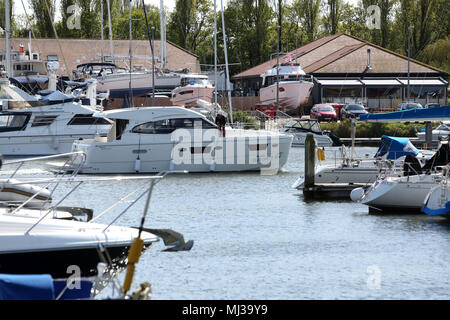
[{"x": 57, "y": 39}]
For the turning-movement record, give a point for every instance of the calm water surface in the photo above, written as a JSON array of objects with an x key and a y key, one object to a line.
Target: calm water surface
[{"x": 257, "y": 238}]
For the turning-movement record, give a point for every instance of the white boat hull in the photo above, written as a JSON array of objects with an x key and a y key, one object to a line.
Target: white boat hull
[
  {"x": 184, "y": 96},
  {"x": 121, "y": 81},
  {"x": 291, "y": 94},
  {"x": 399, "y": 194},
  {"x": 115, "y": 157}
]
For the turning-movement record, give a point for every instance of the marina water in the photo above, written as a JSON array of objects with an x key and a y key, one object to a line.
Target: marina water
[{"x": 257, "y": 238}]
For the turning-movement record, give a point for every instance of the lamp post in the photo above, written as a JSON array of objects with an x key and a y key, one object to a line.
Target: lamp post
[{"x": 409, "y": 47}]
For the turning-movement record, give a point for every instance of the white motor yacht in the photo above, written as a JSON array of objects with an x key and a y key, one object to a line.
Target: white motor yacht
[
  {"x": 294, "y": 86},
  {"x": 193, "y": 87},
  {"x": 441, "y": 132},
  {"x": 30, "y": 126},
  {"x": 154, "y": 139}
]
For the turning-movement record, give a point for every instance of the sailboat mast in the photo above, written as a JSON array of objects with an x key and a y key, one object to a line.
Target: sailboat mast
[
  {"x": 215, "y": 53},
  {"x": 111, "y": 52},
  {"x": 227, "y": 80},
  {"x": 162, "y": 19},
  {"x": 7, "y": 37},
  {"x": 131, "y": 54},
  {"x": 101, "y": 33}
]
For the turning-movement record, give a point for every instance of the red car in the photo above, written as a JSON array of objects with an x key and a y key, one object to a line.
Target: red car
[{"x": 323, "y": 112}]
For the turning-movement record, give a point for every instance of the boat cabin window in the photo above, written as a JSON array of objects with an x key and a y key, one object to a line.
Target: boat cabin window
[
  {"x": 170, "y": 125},
  {"x": 13, "y": 122},
  {"x": 40, "y": 121},
  {"x": 86, "y": 119}
]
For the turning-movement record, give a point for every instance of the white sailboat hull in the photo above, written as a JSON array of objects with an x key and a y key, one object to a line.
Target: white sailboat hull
[{"x": 399, "y": 194}]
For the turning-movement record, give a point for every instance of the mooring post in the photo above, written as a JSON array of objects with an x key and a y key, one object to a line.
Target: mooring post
[{"x": 310, "y": 158}]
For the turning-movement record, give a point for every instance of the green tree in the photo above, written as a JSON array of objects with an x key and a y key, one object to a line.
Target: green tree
[{"x": 43, "y": 21}]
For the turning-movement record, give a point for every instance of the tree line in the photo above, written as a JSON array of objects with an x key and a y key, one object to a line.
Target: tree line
[{"x": 251, "y": 25}]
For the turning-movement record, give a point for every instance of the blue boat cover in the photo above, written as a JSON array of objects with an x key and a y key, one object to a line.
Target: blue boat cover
[
  {"x": 439, "y": 211},
  {"x": 26, "y": 287},
  {"x": 395, "y": 147},
  {"x": 84, "y": 292},
  {"x": 427, "y": 114},
  {"x": 57, "y": 97}
]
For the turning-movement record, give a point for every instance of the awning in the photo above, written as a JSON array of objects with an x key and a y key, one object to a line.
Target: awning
[
  {"x": 424, "y": 82},
  {"x": 339, "y": 82},
  {"x": 420, "y": 115},
  {"x": 381, "y": 82}
]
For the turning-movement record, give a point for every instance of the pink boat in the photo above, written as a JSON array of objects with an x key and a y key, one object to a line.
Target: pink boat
[
  {"x": 193, "y": 87},
  {"x": 294, "y": 86}
]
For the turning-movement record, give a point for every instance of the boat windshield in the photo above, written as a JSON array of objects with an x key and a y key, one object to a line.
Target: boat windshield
[
  {"x": 306, "y": 125},
  {"x": 169, "y": 125},
  {"x": 13, "y": 122}
]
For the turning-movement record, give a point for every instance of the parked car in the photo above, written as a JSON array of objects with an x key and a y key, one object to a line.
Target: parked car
[
  {"x": 408, "y": 106},
  {"x": 323, "y": 112},
  {"x": 432, "y": 105},
  {"x": 352, "y": 111}
]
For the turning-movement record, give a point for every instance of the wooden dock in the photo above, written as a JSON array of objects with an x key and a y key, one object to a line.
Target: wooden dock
[
  {"x": 322, "y": 191},
  {"x": 327, "y": 191}
]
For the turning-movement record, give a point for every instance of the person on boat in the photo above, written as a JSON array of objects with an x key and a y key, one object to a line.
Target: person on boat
[{"x": 221, "y": 120}]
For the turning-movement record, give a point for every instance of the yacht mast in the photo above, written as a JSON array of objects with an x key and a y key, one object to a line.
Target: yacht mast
[
  {"x": 162, "y": 15},
  {"x": 111, "y": 52},
  {"x": 7, "y": 35},
  {"x": 227, "y": 79},
  {"x": 131, "y": 55},
  {"x": 101, "y": 27},
  {"x": 215, "y": 53}
]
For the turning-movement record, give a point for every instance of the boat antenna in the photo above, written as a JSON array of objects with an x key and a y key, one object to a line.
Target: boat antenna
[
  {"x": 150, "y": 39},
  {"x": 227, "y": 79}
]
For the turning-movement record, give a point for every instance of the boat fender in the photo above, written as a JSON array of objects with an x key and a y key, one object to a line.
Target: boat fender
[
  {"x": 321, "y": 154},
  {"x": 137, "y": 165},
  {"x": 357, "y": 194},
  {"x": 212, "y": 167}
]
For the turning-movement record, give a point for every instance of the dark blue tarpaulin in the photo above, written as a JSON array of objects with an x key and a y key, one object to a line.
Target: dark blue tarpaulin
[{"x": 427, "y": 114}]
